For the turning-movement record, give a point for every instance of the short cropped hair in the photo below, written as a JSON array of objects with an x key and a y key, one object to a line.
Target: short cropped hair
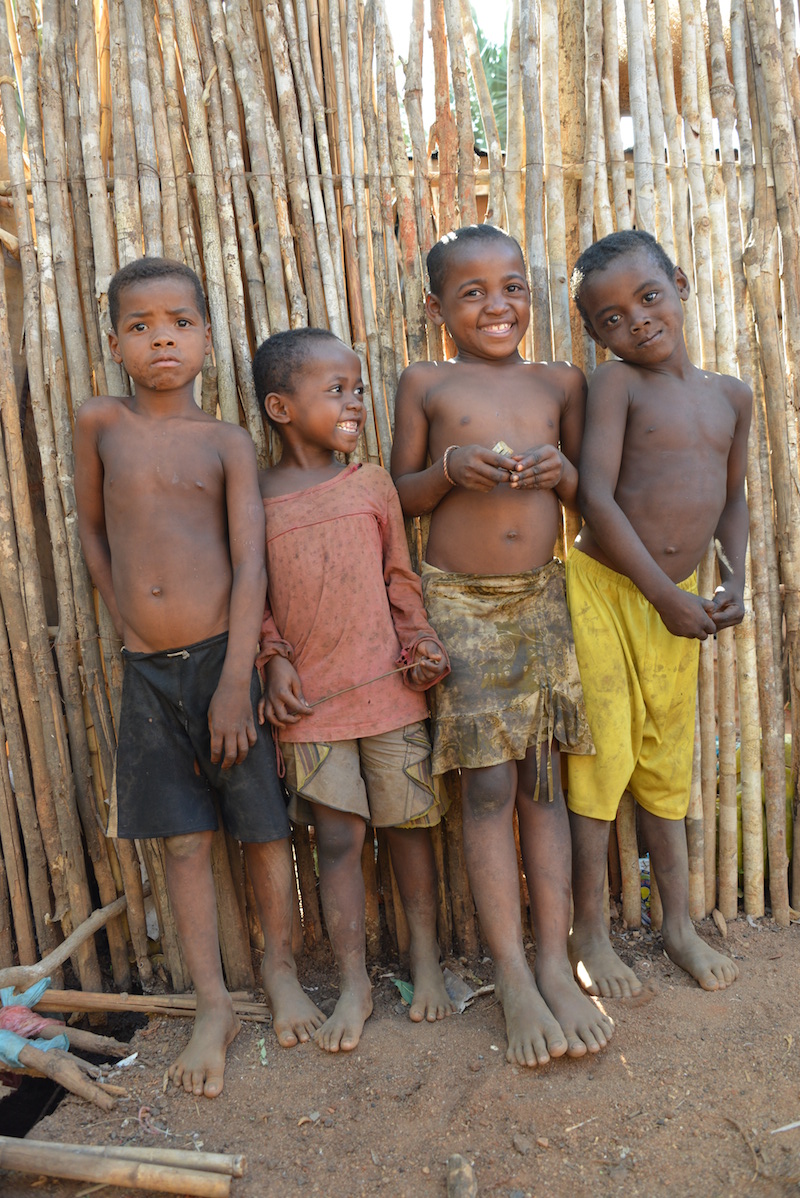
[
  {"x": 142, "y": 270},
  {"x": 281, "y": 357},
  {"x": 447, "y": 247},
  {"x": 600, "y": 255}
]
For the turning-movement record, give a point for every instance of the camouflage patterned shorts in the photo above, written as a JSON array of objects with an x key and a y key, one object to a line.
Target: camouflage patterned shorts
[{"x": 513, "y": 678}]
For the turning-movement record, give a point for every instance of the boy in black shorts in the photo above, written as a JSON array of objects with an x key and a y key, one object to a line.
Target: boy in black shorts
[{"x": 172, "y": 526}]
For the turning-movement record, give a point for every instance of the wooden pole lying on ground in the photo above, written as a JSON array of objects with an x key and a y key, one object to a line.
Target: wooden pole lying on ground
[
  {"x": 39, "y": 1157},
  {"x": 176, "y": 1158},
  {"x": 145, "y": 1004}
]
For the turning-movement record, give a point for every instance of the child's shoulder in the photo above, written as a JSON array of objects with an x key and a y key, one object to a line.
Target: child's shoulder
[{"x": 101, "y": 409}]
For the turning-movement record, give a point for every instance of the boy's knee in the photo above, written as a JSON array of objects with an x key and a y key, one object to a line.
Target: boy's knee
[
  {"x": 487, "y": 792},
  {"x": 191, "y": 844},
  {"x": 339, "y": 838}
]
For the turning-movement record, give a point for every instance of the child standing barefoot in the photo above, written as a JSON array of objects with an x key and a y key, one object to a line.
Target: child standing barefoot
[
  {"x": 662, "y": 472},
  {"x": 172, "y": 528},
  {"x": 495, "y": 595},
  {"x": 348, "y": 651}
]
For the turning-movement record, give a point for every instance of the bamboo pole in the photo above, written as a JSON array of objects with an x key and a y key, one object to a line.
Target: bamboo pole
[
  {"x": 534, "y": 182},
  {"x": 642, "y": 152},
  {"x": 41, "y": 1157},
  {"x": 495, "y": 211},
  {"x": 467, "y": 206}
]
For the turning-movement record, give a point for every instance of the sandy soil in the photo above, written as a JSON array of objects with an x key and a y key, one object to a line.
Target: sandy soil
[{"x": 684, "y": 1100}]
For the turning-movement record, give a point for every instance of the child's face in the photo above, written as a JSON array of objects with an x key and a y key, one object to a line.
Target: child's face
[
  {"x": 326, "y": 407},
  {"x": 485, "y": 302},
  {"x": 161, "y": 339},
  {"x": 635, "y": 309}
]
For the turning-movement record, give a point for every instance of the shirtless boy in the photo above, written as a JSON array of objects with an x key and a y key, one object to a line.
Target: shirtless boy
[
  {"x": 662, "y": 472},
  {"x": 496, "y": 598},
  {"x": 347, "y": 651},
  {"x": 172, "y": 527}
]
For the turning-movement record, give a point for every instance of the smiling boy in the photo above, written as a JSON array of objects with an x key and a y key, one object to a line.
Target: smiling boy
[
  {"x": 495, "y": 595},
  {"x": 662, "y": 473},
  {"x": 172, "y": 528}
]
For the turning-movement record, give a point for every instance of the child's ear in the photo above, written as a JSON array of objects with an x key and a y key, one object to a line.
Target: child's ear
[
  {"x": 208, "y": 339},
  {"x": 433, "y": 308},
  {"x": 276, "y": 407},
  {"x": 682, "y": 283},
  {"x": 113, "y": 345},
  {"x": 597, "y": 340}
]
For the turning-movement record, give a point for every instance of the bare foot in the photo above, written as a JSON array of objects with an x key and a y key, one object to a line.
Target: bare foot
[
  {"x": 431, "y": 1000},
  {"x": 201, "y": 1065},
  {"x": 295, "y": 1018},
  {"x": 534, "y": 1034},
  {"x": 342, "y": 1030},
  {"x": 586, "y": 1028},
  {"x": 599, "y": 969},
  {"x": 710, "y": 969}
]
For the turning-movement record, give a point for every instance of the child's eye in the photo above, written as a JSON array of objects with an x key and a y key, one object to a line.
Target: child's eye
[
  {"x": 139, "y": 327},
  {"x": 613, "y": 320},
  {"x": 359, "y": 390},
  {"x": 183, "y": 323},
  {"x": 650, "y": 297},
  {"x": 337, "y": 387}
]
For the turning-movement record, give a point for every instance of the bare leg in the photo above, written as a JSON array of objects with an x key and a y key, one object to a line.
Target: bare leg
[
  {"x": 666, "y": 841},
  {"x": 340, "y": 838},
  {"x": 547, "y": 856},
  {"x": 488, "y": 795},
  {"x": 598, "y": 967},
  {"x": 415, "y": 870},
  {"x": 294, "y": 1016},
  {"x": 201, "y": 1065}
]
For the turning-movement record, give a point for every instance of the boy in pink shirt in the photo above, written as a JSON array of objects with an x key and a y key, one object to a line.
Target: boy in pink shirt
[{"x": 347, "y": 651}]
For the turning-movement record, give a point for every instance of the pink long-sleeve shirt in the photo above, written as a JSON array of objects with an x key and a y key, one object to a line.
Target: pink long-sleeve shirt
[{"x": 344, "y": 604}]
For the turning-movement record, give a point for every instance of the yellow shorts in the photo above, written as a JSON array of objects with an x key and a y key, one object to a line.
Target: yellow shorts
[{"x": 640, "y": 688}]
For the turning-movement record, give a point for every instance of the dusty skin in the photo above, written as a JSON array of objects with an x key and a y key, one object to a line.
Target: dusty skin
[
  {"x": 690, "y": 1085},
  {"x": 342, "y": 1031},
  {"x": 200, "y": 1068},
  {"x": 295, "y": 1018}
]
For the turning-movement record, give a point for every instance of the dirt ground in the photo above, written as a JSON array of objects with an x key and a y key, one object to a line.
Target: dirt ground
[{"x": 685, "y": 1099}]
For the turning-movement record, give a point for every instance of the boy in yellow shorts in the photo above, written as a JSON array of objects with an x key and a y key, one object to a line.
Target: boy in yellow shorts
[{"x": 662, "y": 472}]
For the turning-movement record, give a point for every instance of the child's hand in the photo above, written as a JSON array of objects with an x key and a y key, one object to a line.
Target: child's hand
[
  {"x": 231, "y": 724},
  {"x": 540, "y": 468},
  {"x": 687, "y": 615},
  {"x": 284, "y": 702},
  {"x": 429, "y": 665},
  {"x": 726, "y": 608},
  {"x": 477, "y": 468}
]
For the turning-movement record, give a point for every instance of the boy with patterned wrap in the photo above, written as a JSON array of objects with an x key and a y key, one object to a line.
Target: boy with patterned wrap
[
  {"x": 496, "y": 597},
  {"x": 347, "y": 651}
]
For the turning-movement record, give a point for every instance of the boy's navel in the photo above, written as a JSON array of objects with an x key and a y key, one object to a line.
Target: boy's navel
[{"x": 156, "y": 591}]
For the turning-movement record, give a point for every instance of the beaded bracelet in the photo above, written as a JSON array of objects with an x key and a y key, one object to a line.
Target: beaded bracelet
[{"x": 445, "y": 457}]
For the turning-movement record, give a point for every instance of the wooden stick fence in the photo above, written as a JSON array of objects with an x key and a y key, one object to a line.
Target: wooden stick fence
[{"x": 273, "y": 146}]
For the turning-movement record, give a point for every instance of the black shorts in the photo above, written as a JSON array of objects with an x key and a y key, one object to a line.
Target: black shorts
[{"x": 166, "y": 782}]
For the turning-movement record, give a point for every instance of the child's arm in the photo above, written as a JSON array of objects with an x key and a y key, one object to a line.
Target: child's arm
[
  {"x": 545, "y": 467},
  {"x": 601, "y": 458},
  {"x": 730, "y": 537},
  {"x": 230, "y": 714},
  {"x": 421, "y": 488},
  {"x": 418, "y": 642},
  {"x": 89, "y": 476}
]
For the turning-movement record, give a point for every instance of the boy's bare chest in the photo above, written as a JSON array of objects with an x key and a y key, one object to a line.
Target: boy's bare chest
[
  {"x": 520, "y": 416},
  {"x": 163, "y": 463},
  {"x": 681, "y": 424}
]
